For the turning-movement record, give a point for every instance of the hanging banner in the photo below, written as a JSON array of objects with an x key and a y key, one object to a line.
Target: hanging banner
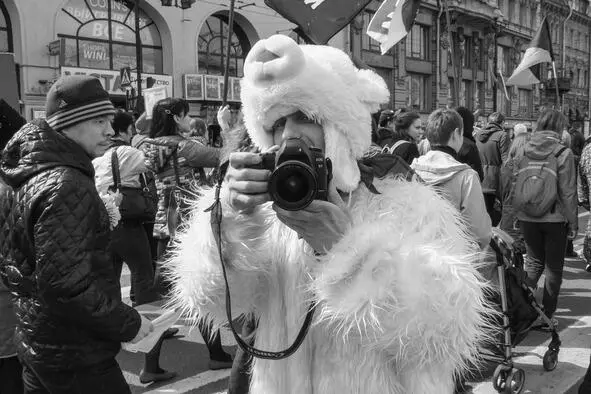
[
  {"x": 151, "y": 97},
  {"x": 111, "y": 79}
]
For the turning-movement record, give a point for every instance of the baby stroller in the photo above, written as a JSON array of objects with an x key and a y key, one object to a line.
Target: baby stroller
[{"x": 520, "y": 309}]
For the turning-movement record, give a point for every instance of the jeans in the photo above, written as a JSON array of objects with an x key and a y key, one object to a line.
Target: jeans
[
  {"x": 131, "y": 245},
  {"x": 546, "y": 246},
  {"x": 105, "y": 378},
  {"x": 11, "y": 380}
]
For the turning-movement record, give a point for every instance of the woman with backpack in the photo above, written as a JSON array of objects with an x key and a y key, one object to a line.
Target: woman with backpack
[
  {"x": 545, "y": 202},
  {"x": 400, "y": 132},
  {"x": 178, "y": 164}
]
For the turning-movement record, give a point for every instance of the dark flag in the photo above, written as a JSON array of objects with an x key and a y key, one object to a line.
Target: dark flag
[
  {"x": 539, "y": 51},
  {"x": 392, "y": 22},
  {"x": 318, "y": 20}
]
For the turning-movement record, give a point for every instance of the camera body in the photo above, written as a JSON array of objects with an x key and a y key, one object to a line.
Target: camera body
[{"x": 299, "y": 174}]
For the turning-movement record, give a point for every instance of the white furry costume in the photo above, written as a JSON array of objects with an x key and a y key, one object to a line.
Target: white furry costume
[{"x": 399, "y": 303}]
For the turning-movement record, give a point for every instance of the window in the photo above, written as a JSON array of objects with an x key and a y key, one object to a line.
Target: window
[
  {"x": 466, "y": 94},
  {"x": 417, "y": 42},
  {"x": 467, "y": 58},
  {"x": 502, "y": 60},
  {"x": 101, "y": 34},
  {"x": 5, "y": 44},
  {"x": 510, "y": 11},
  {"x": 586, "y": 79},
  {"x": 525, "y": 102},
  {"x": 522, "y": 14},
  {"x": 482, "y": 55},
  {"x": 212, "y": 47},
  {"x": 368, "y": 43},
  {"x": 503, "y": 105},
  {"x": 576, "y": 40},
  {"x": 416, "y": 86},
  {"x": 532, "y": 18}
]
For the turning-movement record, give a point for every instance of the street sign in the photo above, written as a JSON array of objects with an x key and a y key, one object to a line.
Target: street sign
[{"x": 125, "y": 74}]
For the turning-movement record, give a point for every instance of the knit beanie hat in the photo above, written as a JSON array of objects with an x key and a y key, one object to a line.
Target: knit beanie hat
[
  {"x": 74, "y": 99},
  {"x": 282, "y": 77}
]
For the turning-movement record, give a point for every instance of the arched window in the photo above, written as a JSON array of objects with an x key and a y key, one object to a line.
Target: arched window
[
  {"x": 101, "y": 34},
  {"x": 5, "y": 30},
  {"x": 212, "y": 45}
]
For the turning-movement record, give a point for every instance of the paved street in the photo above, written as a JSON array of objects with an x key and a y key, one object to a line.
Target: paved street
[{"x": 187, "y": 355}]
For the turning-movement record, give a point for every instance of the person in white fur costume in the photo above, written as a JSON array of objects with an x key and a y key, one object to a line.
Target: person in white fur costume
[{"x": 400, "y": 306}]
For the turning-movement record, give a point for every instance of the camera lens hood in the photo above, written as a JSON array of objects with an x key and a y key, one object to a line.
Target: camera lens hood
[{"x": 293, "y": 185}]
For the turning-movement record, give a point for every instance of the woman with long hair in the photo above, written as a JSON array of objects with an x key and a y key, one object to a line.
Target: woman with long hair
[
  {"x": 509, "y": 222},
  {"x": 400, "y": 132},
  {"x": 178, "y": 164},
  {"x": 546, "y": 235}
]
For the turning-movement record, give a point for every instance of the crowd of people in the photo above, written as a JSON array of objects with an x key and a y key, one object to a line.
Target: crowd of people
[{"x": 91, "y": 188}]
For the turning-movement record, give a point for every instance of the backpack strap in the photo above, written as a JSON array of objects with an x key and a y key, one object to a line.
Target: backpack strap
[
  {"x": 557, "y": 154},
  {"x": 115, "y": 169}
]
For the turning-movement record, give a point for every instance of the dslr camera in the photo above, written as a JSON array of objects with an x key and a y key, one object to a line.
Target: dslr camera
[{"x": 299, "y": 174}]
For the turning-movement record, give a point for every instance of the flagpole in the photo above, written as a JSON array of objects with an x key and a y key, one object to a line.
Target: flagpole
[
  {"x": 504, "y": 85},
  {"x": 456, "y": 95},
  {"x": 556, "y": 85},
  {"x": 227, "y": 59}
]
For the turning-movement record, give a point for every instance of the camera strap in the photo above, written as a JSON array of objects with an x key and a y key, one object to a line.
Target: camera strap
[{"x": 216, "y": 224}]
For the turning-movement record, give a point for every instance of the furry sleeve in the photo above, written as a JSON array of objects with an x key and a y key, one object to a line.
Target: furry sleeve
[
  {"x": 194, "y": 268},
  {"x": 403, "y": 281}
]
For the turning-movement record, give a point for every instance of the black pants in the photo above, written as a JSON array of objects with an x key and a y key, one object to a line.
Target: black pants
[
  {"x": 546, "y": 245},
  {"x": 131, "y": 245},
  {"x": 240, "y": 375},
  {"x": 585, "y": 387},
  {"x": 11, "y": 380},
  {"x": 104, "y": 378},
  {"x": 489, "y": 202}
]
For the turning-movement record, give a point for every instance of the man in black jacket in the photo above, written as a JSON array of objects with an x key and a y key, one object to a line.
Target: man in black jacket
[
  {"x": 70, "y": 317},
  {"x": 493, "y": 145}
]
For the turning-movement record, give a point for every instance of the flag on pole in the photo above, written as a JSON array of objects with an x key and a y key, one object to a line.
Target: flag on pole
[
  {"x": 539, "y": 51},
  {"x": 318, "y": 20},
  {"x": 392, "y": 22}
]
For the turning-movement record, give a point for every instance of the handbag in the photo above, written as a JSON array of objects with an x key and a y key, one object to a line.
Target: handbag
[{"x": 139, "y": 204}]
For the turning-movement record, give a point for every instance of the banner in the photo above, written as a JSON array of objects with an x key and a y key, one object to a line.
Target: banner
[
  {"x": 151, "y": 97},
  {"x": 318, "y": 20},
  {"x": 111, "y": 79}
]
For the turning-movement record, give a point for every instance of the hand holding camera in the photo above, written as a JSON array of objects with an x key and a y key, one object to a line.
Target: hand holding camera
[{"x": 248, "y": 186}]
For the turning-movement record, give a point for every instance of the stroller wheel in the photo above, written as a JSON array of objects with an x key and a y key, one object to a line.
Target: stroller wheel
[
  {"x": 500, "y": 377},
  {"x": 515, "y": 381},
  {"x": 550, "y": 360}
]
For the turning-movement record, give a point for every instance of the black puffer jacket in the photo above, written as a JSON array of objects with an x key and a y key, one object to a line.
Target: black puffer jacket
[
  {"x": 493, "y": 146},
  {"x": 68, "y": 300}
]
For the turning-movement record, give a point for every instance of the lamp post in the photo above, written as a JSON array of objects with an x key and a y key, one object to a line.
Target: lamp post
[{"x": 139, "y": 58}]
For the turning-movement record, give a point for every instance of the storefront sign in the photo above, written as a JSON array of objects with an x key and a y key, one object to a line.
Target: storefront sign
[
  {"x": 111, "y": 79},
  {"x": 210, "y": 87}
]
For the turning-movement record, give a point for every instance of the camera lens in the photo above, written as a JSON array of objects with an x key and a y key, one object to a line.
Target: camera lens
[{"x": 292, "y": 186}]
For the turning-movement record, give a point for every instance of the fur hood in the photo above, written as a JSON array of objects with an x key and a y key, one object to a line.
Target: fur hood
[{"x": 281, "y": 78}]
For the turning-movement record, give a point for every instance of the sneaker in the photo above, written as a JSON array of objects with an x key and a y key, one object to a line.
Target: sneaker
[
  {"x": 588, "y": 268},
  {"x": 571, "y": 254},
  {"x": 160, "y": 376},
  {"x": 223, "y": 362}
]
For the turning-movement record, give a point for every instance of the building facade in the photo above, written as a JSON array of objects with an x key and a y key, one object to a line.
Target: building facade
[
  {"x": 450, "y": 58},
  {"x": 182, "y": 50}
]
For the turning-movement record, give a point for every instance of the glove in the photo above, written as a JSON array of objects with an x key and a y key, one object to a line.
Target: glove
[{"x": 145, "y": 329}]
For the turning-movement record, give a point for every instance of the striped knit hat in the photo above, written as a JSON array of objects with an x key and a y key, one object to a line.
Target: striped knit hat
[{"x": 74, "y": 99}]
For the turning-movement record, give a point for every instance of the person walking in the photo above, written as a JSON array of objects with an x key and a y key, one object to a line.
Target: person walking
[
  {"x": 71, "y": 320},
  {"x": 546, "y": 231},
  {"x": 493, "y": 146}
]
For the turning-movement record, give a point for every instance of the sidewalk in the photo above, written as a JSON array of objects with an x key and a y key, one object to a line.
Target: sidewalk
[{"x": 575, "y": 334}]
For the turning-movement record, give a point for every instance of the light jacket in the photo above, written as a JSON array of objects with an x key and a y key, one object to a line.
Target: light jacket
[
  {"x": 460, "y": 185},
  {"x": 542, "y": 144},
  {"x": 131, "y": 166},
  {"x": 400, "y": 306}
]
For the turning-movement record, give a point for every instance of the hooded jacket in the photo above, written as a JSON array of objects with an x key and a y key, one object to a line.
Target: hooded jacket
[
  {"x": 67, "y": 297},
  {"x": 460, "y": 185},
  {"x": 541, "y": 145},
  {"x": 493, "y": 145}
]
